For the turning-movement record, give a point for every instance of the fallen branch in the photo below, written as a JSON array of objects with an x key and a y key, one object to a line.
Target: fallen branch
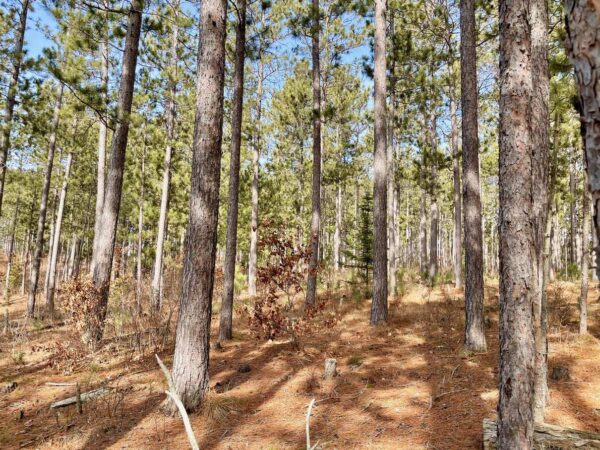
[
  {"x": 82, "y": 398},
  {"x": 173, "y": 395},
  {"x": 308, "y": 413}
]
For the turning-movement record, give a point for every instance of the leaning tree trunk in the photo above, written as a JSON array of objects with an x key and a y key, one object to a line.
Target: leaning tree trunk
[
  {"x": 252, "y": 257},
  {"x": 585, "y": 241},
  {"x": 11, "y": 96},
  {"x": 104, "y": 244},
  {"x": 11, "y": 244},
  {"x": 540, "y": 123},
  {"x": 190, "y": 362},
  {"x": 315, "y": 222},
  {"x": 379, "y": 305},
  {"x": 56, "y": 238},
  {"x": 166, "y": 182},
  {"x": 517, "y": 249},
  {"x": 226, "y": 315},
  {"x": 583, "y": 42},
  {"x": 39, "y": 238},
  {"x": 473, "y": 242}
]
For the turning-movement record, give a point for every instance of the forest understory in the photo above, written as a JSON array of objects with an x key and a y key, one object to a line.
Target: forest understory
[{"x": 405, "y": 384}]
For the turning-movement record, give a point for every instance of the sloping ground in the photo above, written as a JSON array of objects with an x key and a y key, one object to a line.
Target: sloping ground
[{"x": 401, "y": 386}]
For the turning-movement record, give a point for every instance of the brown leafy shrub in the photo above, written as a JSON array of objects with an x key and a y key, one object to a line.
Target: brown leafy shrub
[
  {"x": 82, "y": 302},
  {"x": 283, "y": 274}
]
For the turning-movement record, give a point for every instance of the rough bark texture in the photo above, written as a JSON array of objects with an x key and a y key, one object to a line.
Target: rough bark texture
[
  {"x": 545, "y": 437},
  {"x": 473, "y": 242},
  {"x": 315, "y": 222},
  {"x": 39, "y": 237},
  {"x": 540, "y": 123},
  {"x": 583, "y": 46},
  {"x": 56, "y": 237},
  {"x": 191, "y": 359},
  {"x": 252, "y": 257},
  {"x": 104, "y": 244},
  {"x": 11, "y": 96},
  {"x": 517, "y": 249},
  {"x": 166, "y": 181},
  {"x": 379, "y": 305},
  {"x": 457, "y": 229},
  {"x": 585, "y": 257},
  {"x": 226, "y": 314}
]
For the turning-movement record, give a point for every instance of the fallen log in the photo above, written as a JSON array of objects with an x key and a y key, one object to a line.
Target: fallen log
[
  {"x": 546, "y": 437},
  {"x": 82, "y": 398}
]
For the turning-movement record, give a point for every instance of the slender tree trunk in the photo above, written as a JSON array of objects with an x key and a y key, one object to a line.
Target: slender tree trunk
[
  {"x": 103, "y": 131},
  {"x": 56, "y": 237},
  {"x": 102, "y": 255},
  {"x": 572, "y": 214},
  {"x": 517, "y": 249},
  {"x": 315, "y": 223},
  {"x": 473, "y": 242},
  {"x": 379, "y": 305},
  {"x": 140, "y": 237},
  {"x": 166, "y": 182},
  {"x": 540, "y": 123},
  {"x": 39, "y": 239},
  {"x": 54, "y": 204},
  {"x": 337, "y": 234},
  {"x": 226, "y": 315},
  {"x": 255, "y": 173},
  {"x": 10, "y": 252},
  {"x": 585, "y": 239},
  {"x": 11, "y": 96},
  {"x": 191, "y": 359},
  {"x": 390, "y": 189},
  {"x": 423, "y": 234},
  {"x": 434, "y": 212},
  {"x": 457, "y": 230}
]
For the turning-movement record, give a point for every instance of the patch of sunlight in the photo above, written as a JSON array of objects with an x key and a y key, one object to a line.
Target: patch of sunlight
[{"x": 489, "y": 395}]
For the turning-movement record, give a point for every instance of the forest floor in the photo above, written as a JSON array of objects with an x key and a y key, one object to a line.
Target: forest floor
[{"x": 405, "y": 385}]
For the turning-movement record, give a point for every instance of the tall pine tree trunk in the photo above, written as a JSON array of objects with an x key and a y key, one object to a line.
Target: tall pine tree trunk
[
  {"x": 39, "y": 238},
  {"x": 140, "y": 237},
  {"x": 252, "y": 257},
  {"x": 10, "y": 252},
  {"x": 226, "y": 315},
  {"x": 585, "y": 239},
  {"x": 190, "y": 362},
  {"x": 517, "y": 249},
  {"x": 11, "y": 96},
  {"x": 315, "y": 221},
  {"x": 457, "y": 201},
  {"x": 474, "y": 308},
  {"x": 56, "y": 237},
  {"x": 337, "y": 234},
  {"x": 379, "y": 305},
  {"x": 166, "y": 181},
  {"x": 540, "y": 123},
  {"x": 104, "y": 243},
  {"x": 390, "y": 188}
]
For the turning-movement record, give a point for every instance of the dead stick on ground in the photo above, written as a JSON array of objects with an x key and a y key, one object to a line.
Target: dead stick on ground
[
  {"x": 308, "y": 413},
  {"x": 184, "y": 416}
]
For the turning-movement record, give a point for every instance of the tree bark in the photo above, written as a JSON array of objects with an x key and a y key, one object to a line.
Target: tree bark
[
  {"x": 473, "y": 242},
  {"x": 585, "y": 239},
  {"x": 11, "y": 96},
  {"x": 433, "y": 207},
  {"x": 191, "y": 359},
  {"x": 315, "y": 222},
  {"x": 517, "y": 249},
  {"x": 104, "y": 244},
  {"x": 166, "y": 181},
  {"x": 540, "y": 122},
  {"x": 457, "y": 229},
  {"x": 140, "y": 237},
  {"x": 56, "y": 238},
  {"x": 39, "y": 239},
  {"x": 390, "y": 186},
  {"x": 10, "y": 253},
  {"x": 337, "y": 234},
  {"x": 226, "y": 315},
  {"x": 379, "y": 305}
]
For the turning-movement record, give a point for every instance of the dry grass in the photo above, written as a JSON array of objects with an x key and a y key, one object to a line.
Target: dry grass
[{"x": 405, "y": 385}]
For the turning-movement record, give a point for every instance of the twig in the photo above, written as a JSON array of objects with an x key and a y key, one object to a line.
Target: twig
[
  {"x": 308, "y": 413},
  {"x": 184, "y": 416}
]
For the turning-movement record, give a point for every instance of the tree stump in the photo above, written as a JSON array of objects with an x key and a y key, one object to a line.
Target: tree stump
[
  {"x": 330, "y": 368},
  {"x": 546, "y": 437}
]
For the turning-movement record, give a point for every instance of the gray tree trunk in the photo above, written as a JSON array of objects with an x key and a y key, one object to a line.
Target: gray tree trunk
[
  {"x": 11, "y": 96},
  {"x": 390, "y": 189},
  {"x": 315, "y": 222},
  {"x": 56, "y": 237},
  {"x": 166, "y": 181},
  {"x": 379, "y": 305},
  {"x": 191, "y": 358},
  {"x": 517, "y": 249},
  {"x": 39, "y": 239},
  {"x": 104, "y": 244},
  {"x": 226, "y": 314},
  {"x": 337, "y": 234},
  {"x": 10, "y": 253},
  {"x": 457, "y": 229},
  {"x": 585, "y": 239},
  {"x": 140, "y": 236},
  {"x": 473, "y": 242}
]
